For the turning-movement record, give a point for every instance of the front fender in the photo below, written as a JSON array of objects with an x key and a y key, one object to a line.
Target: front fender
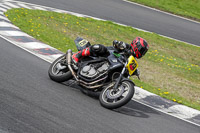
[{"x": 126, "y": 79}]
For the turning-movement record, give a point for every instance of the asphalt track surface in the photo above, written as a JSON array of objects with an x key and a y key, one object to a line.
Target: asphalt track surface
[
  {"x": 132, "y": 15},
  {"x": 30, "y": 102}
]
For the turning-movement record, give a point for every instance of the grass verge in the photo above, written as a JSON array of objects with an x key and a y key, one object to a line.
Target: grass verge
[
  {"x": 186, "y": 8},
  {"x": 169, "y": 69}
]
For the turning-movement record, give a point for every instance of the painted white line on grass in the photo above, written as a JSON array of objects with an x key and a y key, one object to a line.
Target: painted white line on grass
[
  {"x": 161, "y": 11},
  {"x": 39, "y": 8},
  {"x": 58, "y": 11}
]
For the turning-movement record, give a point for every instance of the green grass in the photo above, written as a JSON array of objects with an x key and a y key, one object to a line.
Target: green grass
[
  {"x": 185, "y": 8},
  {"x": 170, "y": 68}
]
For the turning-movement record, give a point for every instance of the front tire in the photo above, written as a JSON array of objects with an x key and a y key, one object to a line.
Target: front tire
[
  {"x": 112, "y": 100},
  {"x": 58, "y": 72}
]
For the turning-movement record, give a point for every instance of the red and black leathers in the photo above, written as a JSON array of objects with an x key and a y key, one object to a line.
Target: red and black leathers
[
  {"x": 94, "y": 50},
  {"x": 138, "y": 48}
]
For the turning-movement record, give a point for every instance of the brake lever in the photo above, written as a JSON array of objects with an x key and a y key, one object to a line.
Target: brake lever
[
  {"x": 138, "y": 74},
  {"x": 138, "y": 77}
]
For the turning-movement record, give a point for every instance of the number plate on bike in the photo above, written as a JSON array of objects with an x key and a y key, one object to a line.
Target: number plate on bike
[{"x": 132, "y": 65}]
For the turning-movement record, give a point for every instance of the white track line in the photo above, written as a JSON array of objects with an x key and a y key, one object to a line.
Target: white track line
[
  {"x": 161, "y": 11},
  {"x": 39, "y": 8}
]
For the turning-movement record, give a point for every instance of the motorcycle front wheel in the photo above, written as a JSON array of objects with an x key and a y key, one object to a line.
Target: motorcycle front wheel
[
  {"x": 112, "y": 99},
  {"x": 59, "y": 72}
]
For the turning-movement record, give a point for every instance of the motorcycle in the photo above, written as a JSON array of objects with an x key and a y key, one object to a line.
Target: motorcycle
[{"x": 108, "y": 77}]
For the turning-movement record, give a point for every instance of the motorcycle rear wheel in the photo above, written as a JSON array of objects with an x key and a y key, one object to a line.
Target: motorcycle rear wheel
[
  {"x": 58, "y": 72},
  {"x": 112, "y": 100}
]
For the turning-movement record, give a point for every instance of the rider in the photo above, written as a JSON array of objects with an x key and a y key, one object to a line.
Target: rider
[{"x": 137, "y": 48}]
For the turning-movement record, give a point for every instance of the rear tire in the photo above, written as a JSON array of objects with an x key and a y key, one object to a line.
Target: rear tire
[
  {"x": 111, "y": 100},
  {"x": 59, "y": 75}
]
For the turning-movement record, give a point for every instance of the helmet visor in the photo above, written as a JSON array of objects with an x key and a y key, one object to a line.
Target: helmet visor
[{"x": 142, "y": 50}]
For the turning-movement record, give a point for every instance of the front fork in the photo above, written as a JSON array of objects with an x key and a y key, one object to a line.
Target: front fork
[{"x": 120, "y": 78}]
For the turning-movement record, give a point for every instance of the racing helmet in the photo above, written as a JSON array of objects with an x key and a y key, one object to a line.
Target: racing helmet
[{"x": 140, "y": 47}]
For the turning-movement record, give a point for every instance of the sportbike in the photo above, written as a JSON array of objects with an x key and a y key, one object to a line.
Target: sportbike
[{"x": 107, "y": 76}]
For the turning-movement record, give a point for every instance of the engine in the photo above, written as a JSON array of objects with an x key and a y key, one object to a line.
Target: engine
[{"x": 94, "y": 70}]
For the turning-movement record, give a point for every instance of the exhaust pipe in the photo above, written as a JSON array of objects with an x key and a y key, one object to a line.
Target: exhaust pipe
[{"x": 69, "y": 62}]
